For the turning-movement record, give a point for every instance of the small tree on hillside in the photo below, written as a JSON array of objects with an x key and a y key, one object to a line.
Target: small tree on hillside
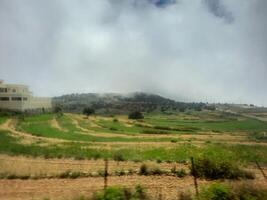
[
  {"x": 58, "y": 110},
  {"x": 88, "y": 111},
  {"x": 136, "y": 115}
]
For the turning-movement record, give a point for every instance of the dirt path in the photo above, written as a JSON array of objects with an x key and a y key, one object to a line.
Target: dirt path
[
  {"x": 201, "y": 136},
  {"x": 10, "y": 125},
  {"x": 54, "y": 123}
]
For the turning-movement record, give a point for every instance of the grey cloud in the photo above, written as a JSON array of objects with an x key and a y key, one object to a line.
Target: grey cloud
[
  {"x": 180, "y": 50},
  {"x": 218, "y": 9}
]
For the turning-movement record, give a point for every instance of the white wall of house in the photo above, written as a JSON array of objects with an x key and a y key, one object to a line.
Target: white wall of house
[{"x": 19, "y": 97}]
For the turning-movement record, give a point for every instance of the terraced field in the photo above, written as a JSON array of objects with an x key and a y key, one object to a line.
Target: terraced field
[{"x": 48, "y": 145}]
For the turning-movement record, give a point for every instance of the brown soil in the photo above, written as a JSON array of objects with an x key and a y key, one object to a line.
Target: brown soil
[
  {"x": 167, "y": 186},
  {"x": 20, "y": 165},
  {"x": 54, "y": 123}
]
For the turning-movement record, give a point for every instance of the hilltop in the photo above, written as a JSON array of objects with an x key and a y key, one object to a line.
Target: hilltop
[{"x": 117, "y": 103}]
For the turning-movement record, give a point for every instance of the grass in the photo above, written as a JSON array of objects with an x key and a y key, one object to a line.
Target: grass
[
  {"x": 219, "y": 169},
  {"x": 117, "y": 193},
  {"x": 2, "y": 120},
  {"x": 43, "y": 128},
  {"x": 245, "y": 191},
  {"x": 204, "y": 125},
  {"x": 239, "y": 153}
]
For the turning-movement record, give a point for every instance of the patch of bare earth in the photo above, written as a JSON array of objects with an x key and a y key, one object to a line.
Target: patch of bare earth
[
  {"x": 168, "y": 187},
  {"x": 54, "y": 124},
  {"x": 21, "y": 165}
]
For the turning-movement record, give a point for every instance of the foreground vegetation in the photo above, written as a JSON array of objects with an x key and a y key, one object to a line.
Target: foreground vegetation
[
  {"x": 79, "y": 138},
  {"x": 180, "y": 153},
  {"x": 157, "y": 137},
  {"x": 216, "y": 191}
]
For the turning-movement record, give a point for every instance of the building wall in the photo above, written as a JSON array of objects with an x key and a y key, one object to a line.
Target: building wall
[{"x": 19, "y": 97}]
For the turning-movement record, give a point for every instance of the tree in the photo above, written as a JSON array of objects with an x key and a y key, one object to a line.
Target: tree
[
  {"x": 136, "y": 115},
  {"x": 58, "y": 111},
  {"x": 88, "y": 111}
]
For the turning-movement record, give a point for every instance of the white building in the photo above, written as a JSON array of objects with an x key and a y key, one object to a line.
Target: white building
[{"x": 20, "y": 98}]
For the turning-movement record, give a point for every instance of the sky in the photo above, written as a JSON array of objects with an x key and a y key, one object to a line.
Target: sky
[{"x": 188, "y": 50}]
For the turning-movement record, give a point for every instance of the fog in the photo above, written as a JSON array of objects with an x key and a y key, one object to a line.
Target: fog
[{"x": 189, "y": 50}]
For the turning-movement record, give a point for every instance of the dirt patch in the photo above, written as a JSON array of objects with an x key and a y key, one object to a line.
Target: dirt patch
[
  {"x": 21, "y": 165},
  {"x": 167, "y": 186},
  {"x": 70, "y": 189},
  {"x": 54, "y": 123}
]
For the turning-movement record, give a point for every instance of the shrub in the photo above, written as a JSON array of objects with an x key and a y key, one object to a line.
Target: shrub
[
  {"x": 111, "y": 193},
  {"x": 174, "y": 140},
  {"x": 212, "y": 169},
  {"x": 118, "y": 157},
  {"x": 151, "y": 131},
  {"x": 140, "y": 193},
  {"x": 245, "y": 191},
  {"x": 136, "y": 115},
  {"x": 130, "y": 172},
  {"x": 185, "y": 196},
  {"x": 120, "y": 172},
  {"x": 113, "y": 129},
  {"x": 88, "y": 111},
  {"x": 143, "y": 170},
  {"x": 181, "y": 173},
  {"x": 155, "y": 171},
  {"x": 116, "y": 193},
  {"x": 216, "y": 192}
]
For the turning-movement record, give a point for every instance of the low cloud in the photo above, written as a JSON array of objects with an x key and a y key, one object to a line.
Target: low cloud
[{"x": 193, "y": 50}]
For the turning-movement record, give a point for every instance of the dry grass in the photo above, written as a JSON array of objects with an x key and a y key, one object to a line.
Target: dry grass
[
  {"x": 54, "y": 123},
  {"x": 38, "y": 166}
]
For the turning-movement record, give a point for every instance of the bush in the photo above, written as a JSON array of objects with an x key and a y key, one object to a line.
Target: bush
[
  {"x": 143, "y": 170},
  {"x": 181, "y": 173},
  {"x": 246, "y": 191},
  {"x": 118, "y": 157},
  {"x": 211, "y": 169},
  {"x": 88, "y": 111},
  {"x": 120, "y": 172},
  {"x": 215, "y": 192},
  {"x": 136, "y": 115},
  {"x": 185, "y": 196},
  {"x": 116, "y": 193},
  {"x": 156, "y": 171}
]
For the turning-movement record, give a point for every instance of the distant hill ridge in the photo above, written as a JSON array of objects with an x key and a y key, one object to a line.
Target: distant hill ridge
[{"x": 121, "y": 103}]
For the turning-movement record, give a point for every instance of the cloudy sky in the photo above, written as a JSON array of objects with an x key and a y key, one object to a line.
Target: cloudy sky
[{"x": 190, "y": 50}]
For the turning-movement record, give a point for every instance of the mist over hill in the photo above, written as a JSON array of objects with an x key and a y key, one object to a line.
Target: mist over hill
[{"x": 117, "y": 103}]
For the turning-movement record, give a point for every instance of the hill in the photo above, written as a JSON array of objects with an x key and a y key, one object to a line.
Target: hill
[{"x": 115, "y": 103}]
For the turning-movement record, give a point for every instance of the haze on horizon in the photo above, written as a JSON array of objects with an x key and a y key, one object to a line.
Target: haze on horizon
[{"x": 189, "y": 50}]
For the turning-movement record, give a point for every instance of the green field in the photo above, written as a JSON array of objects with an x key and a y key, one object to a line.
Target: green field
[
  {"x": 242, "y": 153},
  {"x": 88, "y": 138}
]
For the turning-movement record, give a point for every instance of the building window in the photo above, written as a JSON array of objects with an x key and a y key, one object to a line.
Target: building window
[
  {"x": 16, "y": 98},
  {"x": 3, "y": 90},
  {"x": 4, "y": 98},
  {"x": 25, "y": 98},
  {"x": 13, "y": 90}
]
